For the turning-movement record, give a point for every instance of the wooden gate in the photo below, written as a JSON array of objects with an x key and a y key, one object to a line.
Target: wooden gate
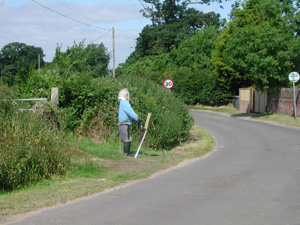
[
  {"x": 260, "y": 101},
  {"x": 251, "y": 100},
  {"x": 246, "y": 100}
]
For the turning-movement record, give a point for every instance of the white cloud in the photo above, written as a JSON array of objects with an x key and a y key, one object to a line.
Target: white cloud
[
  {"x": 32, "y": 24},
  {"x": 27, "y": 22}
]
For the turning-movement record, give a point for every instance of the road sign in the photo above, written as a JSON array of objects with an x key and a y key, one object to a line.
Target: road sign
[
  {"x": 294, "y": 77},
  {"x": 168, "y": 83}
]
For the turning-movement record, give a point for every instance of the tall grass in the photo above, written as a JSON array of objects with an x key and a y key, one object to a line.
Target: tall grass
[{"x": 32, "y": 146}]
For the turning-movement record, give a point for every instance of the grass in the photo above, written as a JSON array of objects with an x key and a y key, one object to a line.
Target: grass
[
  {"x": 222, "y": 109},
  {"x": 279, "y": 119},
  {"x": 98, "y": 167}
]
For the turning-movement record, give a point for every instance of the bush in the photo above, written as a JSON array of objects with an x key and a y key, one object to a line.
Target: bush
[
  {"x": 91, "y": 105},
  {"x": 168, "y": 114},
  {"x": 196, "y": 86},
  {"x": 31, "y": 148}
]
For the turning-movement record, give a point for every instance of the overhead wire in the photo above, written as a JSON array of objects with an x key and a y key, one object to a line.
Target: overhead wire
[
  {"x": 93, "y": 41},
  {"x": 78, "y": 21},
  {"x": 79, "y": 13}
]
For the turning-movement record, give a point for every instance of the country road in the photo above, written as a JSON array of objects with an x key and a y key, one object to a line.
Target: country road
[{"x": 252, "y": 178}]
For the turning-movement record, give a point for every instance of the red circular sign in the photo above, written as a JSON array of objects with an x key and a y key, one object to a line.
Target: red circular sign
[{"x": 168, "y": 83}]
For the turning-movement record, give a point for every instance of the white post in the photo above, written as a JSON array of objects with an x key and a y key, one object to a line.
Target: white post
[
  {"x": 55, "y": 96},
  {"x": 295, "y": 109},
  {"x": 146, "y": 129}
]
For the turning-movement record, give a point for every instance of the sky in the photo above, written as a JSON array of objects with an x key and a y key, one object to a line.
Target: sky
[{"x": 51, "y": 23}]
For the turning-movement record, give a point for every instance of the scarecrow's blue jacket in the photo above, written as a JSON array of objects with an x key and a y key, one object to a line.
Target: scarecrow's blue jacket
[{"x": 126, "y": 113}]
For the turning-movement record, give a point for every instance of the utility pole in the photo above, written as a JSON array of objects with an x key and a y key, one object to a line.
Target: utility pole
[
  {"x": 1, "y": 72},
  {"x": 113, "y": 41},
  {"x": 39, "y": 63}
]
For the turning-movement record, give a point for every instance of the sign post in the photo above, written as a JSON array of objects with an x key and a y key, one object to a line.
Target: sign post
[{"x": 294, "y": 77}]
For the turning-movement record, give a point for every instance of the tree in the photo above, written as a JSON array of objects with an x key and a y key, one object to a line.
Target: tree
[
  {"x": 189, "y": 66},
  {"x": 196, "y": 52},
  {"x": 259, "y": 46},
  {"x": 193, "y": 75},
  {"x": 92, "y": 58},
  {"x": 155, "y": 40},
  {"x": 16, "y": 59},
  {"x": 168, "y": 11}
]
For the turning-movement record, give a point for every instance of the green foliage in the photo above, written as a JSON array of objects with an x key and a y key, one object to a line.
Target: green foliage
[
  {"x": 258, "y": 48},
  {"x": 180, "y": 24},
  {"x": 196, "y": 87},
  {"x": 195, "y": 52},
  {"x": 170, "y": 11},
  {"x": 32, "y": 148},
  {"x": 169, "y": 115},
  {"x": 16, "y": 60},
  {"x": 91, "y": 106},
  {"x": 80, "y": 95},
  {"x": 92, "y": 59},
  {"x": 190, "y": 68},
  {"x": 74, "y": 73},
  {"x": 151, "y": 67}
]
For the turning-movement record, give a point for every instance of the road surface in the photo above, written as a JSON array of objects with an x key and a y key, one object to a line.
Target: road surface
[{"x": 252, "y": 178}]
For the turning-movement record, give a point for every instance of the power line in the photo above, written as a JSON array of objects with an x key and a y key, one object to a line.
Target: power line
[
  {"x": 93, "y": 41},
  {"x": 68, "y": 16},
  {"x": 79, "y": 13}
]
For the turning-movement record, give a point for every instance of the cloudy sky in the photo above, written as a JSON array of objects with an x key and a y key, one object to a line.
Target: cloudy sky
[{"x": 49, "y": 23}]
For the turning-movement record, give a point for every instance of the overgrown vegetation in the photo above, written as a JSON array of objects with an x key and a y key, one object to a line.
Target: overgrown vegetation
[
  {"x": 257, "y": 47},
  {"x": 190, "y": 68},
  {"x": 32, "y": 147},
  {"x": 35, "y": 145}
]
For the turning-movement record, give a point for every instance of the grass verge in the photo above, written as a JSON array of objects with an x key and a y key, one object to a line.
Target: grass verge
[{"x": 98, "y": 167}]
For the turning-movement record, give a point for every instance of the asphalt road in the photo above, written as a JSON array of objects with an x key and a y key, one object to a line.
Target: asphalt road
[{"x": 252, "y": 177}]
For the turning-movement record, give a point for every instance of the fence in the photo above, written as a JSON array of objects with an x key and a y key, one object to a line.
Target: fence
[
  {"x": 269, "y": 101},
  {"x": 14, "y": 101},
  {"x": 54, "y": 99}
]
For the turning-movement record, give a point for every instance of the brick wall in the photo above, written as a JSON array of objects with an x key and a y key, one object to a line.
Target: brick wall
[{"x": 283, "y": 101}]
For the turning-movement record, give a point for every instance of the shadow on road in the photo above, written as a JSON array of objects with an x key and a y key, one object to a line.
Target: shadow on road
[{"x": 245, "y": 115}]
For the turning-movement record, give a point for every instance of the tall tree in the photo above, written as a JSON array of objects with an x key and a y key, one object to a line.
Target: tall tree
[
  {"x": 92, "y": 58},
  {"x": 193, "y": 75},
  {"x": 168, "y": 11},
  {"x": 155, "y": 39},
  {"x": 16, "y": 59},
  {"x": 259, "y": 46}
]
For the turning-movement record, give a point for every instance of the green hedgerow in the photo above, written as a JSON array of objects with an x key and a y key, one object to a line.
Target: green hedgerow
[{"x": 32, "y": 148}]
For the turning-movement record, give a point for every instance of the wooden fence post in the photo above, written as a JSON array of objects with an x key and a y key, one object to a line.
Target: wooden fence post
[{"x": 55, "y": 96}]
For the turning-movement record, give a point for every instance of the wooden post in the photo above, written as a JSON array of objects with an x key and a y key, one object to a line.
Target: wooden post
[
  {"x": 55, "y": 96},
  {"x": 39, "y": 63},
  {"x": 113, "y": 41}
]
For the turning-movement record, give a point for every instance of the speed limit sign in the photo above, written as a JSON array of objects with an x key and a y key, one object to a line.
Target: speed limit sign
[{"x": 168, "y": 83}]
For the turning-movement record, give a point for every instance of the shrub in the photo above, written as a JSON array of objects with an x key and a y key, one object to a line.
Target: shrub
[
  {"x": 31, "y": 148},
  {"x": 168, "y": 114},
  {"x": 91, "y": 106}
]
